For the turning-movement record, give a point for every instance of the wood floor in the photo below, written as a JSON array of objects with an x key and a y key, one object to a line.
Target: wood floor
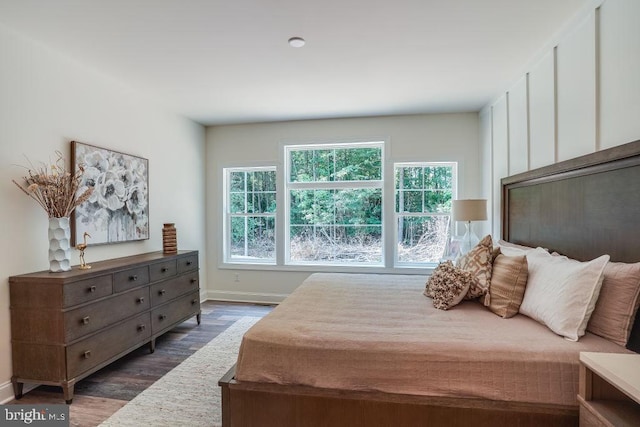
[{"x": 103, "y": 393}]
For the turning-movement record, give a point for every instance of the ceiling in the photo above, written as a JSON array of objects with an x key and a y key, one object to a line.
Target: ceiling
[{"x": 228, "y": 61}]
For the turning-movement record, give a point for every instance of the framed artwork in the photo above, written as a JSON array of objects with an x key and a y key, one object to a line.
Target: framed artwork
[{"x": 118, "y": 209}]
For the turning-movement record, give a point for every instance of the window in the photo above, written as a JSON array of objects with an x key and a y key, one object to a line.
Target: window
[
  {"x": 334, "y": 202},
  {"x": 250, "y": 209},
  {"x": 423, "y": 195}
]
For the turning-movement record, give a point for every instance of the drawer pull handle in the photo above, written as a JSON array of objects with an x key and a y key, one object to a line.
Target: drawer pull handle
[
  {"x": 162, "y": 316},
  {"x": 85, "y": 320},
  {"x": 162, "y": 292},
  {"x": 92, "y": 289},
  {"x": 194, "y": 280},
  {"x": 140, "y": 300},
  {"x": 194, "y": 301},
  {"x": 142, "y": 327},
  {"x": 164, "y": 269},
  {"x": 87, "y": 354},
  {"x": 133, "y": 278},
  {"x": 189, "y": 263}
]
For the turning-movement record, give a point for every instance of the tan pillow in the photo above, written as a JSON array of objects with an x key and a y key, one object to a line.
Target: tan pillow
[
  {"x": 508, "y": 282},
  {"x": 478, "y": 262},
  {"x": 618, "y": 302},
  {"x": 448, "y": 285}
]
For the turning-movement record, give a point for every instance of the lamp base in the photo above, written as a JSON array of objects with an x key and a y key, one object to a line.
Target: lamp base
[{"x": 469, "y": 240}]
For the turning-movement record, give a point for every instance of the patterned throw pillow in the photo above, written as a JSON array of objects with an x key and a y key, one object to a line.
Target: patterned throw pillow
[
  {"x": 448, "y": 285},
  {"x": 478, "y": 262}
]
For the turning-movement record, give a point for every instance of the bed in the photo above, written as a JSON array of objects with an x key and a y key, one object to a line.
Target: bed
[{"x": 301, "y": 365}]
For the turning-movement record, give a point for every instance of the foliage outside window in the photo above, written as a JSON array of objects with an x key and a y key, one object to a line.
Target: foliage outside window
[
  {"x": 250, "y": 215},
  {"x": 423, "y": 195},
  {"x": 334, "y": 201}
]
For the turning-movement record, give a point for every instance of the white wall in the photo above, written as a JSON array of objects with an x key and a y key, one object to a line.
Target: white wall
[
  {"x": 576, "y": 91},
  {"x": 486, "y": 166},
  {"x": 542, "y": 112},
  {"x": 619, "y": 38},
  {"x": 47, "y": 100},
  {"x": 446, "y": 137},
  {"x": 500, "y": 154},
  {"x": 582, "y": 96}
]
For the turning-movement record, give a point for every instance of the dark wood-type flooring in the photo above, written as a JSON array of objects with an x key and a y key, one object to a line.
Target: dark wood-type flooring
[{"x": 98, "y": 396}]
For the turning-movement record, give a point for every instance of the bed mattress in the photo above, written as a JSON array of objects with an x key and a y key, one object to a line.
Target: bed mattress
[{"x": 379, "y": 332}]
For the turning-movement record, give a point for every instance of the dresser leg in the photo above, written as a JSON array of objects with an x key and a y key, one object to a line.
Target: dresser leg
[
  {"x": 17, "y": 388},
  {"x": 198, "y": 316},
  {"x": 67, "y": 391},
  {"x": 152, "y": 345}
]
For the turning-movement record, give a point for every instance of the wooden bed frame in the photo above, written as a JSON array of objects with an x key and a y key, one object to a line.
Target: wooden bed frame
[{"x": 582, "y": 208}]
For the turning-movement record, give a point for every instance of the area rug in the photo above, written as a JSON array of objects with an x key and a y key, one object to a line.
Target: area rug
[{"x": 189, "y": 394}]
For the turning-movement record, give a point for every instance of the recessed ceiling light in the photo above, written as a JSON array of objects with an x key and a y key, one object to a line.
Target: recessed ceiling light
[{"x": 296, "y": 42}]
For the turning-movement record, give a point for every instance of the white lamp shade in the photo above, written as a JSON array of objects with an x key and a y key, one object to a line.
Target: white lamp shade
[{"x": 469, "y": 210}]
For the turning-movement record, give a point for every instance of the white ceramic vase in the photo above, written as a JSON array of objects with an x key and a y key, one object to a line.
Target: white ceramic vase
[{"x": 59, "y": 245}]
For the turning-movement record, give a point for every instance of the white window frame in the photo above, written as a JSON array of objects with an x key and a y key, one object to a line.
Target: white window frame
[
  {"x": 330, "y": 185},
  {"x": 398, "y": 215},
  {"x": 228, "y": 216}
]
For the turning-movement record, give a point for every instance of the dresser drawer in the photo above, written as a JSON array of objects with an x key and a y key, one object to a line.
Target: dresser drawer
[
  {"x": 188, "y": 263},
  {"x": 93, "y": 317},
  {"x": 165, "y": 316},
  {"x": 88, "y": 353},
  {"x": 170, "y": 289},
  {"x": 87, "y": 290},
  {"x": 129, "y": 279},
  {"x": 163, "y": 270}
]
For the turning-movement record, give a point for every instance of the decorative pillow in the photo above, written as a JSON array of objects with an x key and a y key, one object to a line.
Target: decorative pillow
[
  {"x": 478, "y": 262},
  {"x": 439, "y": 273},
  {"x": 561, "y": 293},
  {"x": 448, "y": 285},
  {"x": 618, "y": 302},
  {"x": 508, "y": 283}
]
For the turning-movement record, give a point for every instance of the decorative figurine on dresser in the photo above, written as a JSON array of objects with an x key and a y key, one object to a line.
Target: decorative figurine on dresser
[{"x": 67, "y": 325}]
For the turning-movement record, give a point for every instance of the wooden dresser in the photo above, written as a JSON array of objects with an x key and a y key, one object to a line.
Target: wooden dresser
[{"x": 65, "y": 326}]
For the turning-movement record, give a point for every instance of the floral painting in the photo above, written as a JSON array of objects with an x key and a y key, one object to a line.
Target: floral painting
[{"x": 118, "y": 208}]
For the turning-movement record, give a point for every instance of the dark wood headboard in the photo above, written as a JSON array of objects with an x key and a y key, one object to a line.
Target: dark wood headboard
[{"x": 582, "y": 208}]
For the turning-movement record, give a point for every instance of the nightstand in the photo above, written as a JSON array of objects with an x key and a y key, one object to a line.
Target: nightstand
[{"x": 609, "y": 392}]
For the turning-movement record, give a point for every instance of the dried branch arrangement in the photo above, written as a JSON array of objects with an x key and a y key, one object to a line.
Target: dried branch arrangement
[{"x": 55, "y": 188}]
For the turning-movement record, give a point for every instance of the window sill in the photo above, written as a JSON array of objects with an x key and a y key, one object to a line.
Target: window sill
[{"x": 328, "y": 269}]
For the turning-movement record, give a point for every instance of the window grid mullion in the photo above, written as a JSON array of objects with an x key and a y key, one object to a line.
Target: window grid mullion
[
  {"x": 240, "y": 249},
  {"x": 425, "y": 221},
  {"x": 246, "y": 218},
  {"x": 330, "y": 185}
]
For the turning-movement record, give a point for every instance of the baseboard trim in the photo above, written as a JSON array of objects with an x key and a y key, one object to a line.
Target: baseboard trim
[
  {"x": 253, "y": 297},
  {"x": 6, "y": 391}
]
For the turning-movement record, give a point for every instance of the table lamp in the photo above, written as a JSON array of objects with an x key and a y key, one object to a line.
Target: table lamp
[{"x": 468, "y": 210}]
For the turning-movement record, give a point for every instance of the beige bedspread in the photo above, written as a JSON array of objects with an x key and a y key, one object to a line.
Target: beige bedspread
[{"x": 378, "y": 332}]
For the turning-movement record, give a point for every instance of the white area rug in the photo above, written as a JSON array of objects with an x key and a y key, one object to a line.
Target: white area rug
[{"x": 189, "y": 394}]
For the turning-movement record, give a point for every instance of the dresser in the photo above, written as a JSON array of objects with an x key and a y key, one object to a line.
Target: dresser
[{"x": 65, "y": 326}]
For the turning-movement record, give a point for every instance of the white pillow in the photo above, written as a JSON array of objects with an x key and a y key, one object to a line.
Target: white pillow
[
  {"x": 561, "y": 292},
  {"x": 513, "y": 249}
]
